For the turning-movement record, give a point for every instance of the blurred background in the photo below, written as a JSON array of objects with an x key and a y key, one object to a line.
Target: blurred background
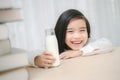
[{"x": 29, "y": 34}]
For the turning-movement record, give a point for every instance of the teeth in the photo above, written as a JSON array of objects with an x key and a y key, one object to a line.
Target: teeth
[{"x": 76, "y": 42}]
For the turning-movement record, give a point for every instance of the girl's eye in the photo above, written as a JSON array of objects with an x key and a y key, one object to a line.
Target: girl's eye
[
  {"x": 82, "y": 30},
  {"x": 70, "y": 31}
]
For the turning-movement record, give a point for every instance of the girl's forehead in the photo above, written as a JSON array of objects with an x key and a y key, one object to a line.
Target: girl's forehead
[
  {"x": 75, "y": 19},
  {"x": 77, "y": 23}
]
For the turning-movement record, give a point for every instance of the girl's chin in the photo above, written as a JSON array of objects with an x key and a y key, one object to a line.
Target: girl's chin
[{"x": 75, "y": 48}]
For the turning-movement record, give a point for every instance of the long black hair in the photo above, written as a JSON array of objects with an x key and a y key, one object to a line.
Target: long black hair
[{"x": 62, "y": 23}]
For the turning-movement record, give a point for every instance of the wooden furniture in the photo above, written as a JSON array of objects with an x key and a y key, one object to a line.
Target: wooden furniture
[{"x": 96, "y": 67}]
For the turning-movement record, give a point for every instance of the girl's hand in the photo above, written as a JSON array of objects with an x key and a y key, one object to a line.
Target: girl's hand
[
  {"x": 46, "y": 59},
  {"x": 70, "y": 54}
]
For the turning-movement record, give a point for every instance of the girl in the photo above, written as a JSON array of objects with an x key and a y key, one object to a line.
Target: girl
[{"x": 73, "y": 32}]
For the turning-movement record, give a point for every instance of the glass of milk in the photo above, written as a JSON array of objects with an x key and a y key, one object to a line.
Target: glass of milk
[{"x": 52, "y": 45}]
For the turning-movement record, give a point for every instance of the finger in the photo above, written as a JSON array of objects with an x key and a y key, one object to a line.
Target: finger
[
  {"x": 48, "y": 64},
  {"x": 47, "y": 53},
  {"x": 49, "y": 61},
  {"x": 62, "y": 56},
  {"x": 47, "y": 57}
]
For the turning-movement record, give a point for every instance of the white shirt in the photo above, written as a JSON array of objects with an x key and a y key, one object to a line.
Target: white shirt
[{"x": 99, "y": 46}]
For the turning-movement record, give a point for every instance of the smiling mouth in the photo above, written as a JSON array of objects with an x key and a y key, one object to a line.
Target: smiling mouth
[{"x": 76, "y": 43}]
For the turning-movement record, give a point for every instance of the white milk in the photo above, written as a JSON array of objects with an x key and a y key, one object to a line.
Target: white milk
[{"x": 52, "y": 46}]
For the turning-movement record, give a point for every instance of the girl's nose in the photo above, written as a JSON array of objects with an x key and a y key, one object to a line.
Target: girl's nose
[{"x": 77, "y": 35}]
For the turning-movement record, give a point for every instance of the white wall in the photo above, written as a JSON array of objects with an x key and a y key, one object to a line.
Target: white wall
[{"x": 104, "y": 17}]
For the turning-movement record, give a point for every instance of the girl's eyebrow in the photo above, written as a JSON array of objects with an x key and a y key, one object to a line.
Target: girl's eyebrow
[
  {"x": 83, "y": 28},
  {"x": 73, "y": 28}
]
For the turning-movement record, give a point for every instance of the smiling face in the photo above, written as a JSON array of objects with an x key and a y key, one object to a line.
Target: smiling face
[{"x": 76, "y": 34}]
